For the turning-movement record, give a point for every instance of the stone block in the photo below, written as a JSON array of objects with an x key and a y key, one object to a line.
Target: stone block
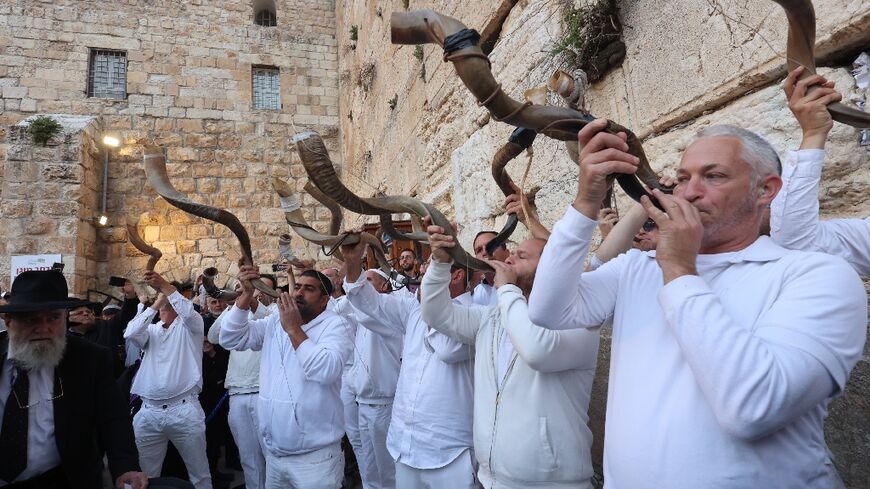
[
  {"x": 39, "y": 225},
  {"x": 183, "y": 154},
  {"x": 152, "y": 233},
  {"x": 15, "y": 208},
  {"x": 185, "y": 246}
]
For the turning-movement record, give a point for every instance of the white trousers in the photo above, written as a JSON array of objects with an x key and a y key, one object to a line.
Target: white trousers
[
  {"x": 458, "y": 474},
  {"x": 246, "y": 431},
  {"x": 376, "y": 466},
  {"x": 184, "y": 425},
  {"x": 320, "y": 469}
]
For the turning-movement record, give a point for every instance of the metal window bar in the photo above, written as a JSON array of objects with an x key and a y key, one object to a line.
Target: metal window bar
[
  {"x": 266, "y": 18},
  {"x": 107, "y": 76},
  {"x": 266, "y": 88}
]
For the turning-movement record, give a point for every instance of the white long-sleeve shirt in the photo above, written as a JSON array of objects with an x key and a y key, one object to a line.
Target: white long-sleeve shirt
[
  {"x": 794, "y": 215},
  {"x": 172, "y": 364},
  {"x": 299, "y": 406},
  {"x": 243, "y": 369},
  {"x": 432, "y": 410},
  {"x": 530, "y": 421},
  {"x": 719, "y": 380}
]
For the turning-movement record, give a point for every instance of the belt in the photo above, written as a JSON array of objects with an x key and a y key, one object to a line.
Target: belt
[
  {"x": 167, "y": 403},
  {"x": 52, "y": 479}
]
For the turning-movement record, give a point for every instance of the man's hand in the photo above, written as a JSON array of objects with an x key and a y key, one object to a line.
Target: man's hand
[
  {"x": 811, "y": 109},
  {"x": 246, "y": 274},
  {"x": 291, "y": 320},
  {"x": 129, "y": 290},
  {"x": 607, "y": 218},
  {"x": 601, "y": 155},
  {"x": 160, "y": 301},
  {"x": 137, "y": 480},
  {"x": 680, "y": 233},
  {"x": 353, "y": 256},
  {"x": 504, "y": 274},
  {"x": 439, "y": 242},
  {"x": 159, "y": 283}
]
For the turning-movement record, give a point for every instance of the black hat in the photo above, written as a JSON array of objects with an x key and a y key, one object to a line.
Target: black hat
[{"x": 40, "y": 291}]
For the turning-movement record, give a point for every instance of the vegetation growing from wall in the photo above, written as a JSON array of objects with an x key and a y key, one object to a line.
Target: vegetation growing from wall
[
  {"x": 592, "y": 39},
  {"x": 43, "y": 128}
]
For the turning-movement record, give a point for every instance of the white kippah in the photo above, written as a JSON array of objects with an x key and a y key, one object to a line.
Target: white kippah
[{"x": 381, "y": 273}]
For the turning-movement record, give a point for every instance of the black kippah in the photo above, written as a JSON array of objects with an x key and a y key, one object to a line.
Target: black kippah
[{"x": 465, "y": 38}]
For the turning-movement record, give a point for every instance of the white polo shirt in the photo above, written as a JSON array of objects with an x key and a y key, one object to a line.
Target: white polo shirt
[{"x": 720, "y": 380}]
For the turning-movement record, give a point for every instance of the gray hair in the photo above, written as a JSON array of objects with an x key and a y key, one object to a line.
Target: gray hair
[{"x": 755, "y": 151}]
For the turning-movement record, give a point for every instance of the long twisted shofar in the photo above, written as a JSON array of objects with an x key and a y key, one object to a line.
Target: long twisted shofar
[
  {"x": 321, "y": 172},
  {"x": 155, "y": 170},
  {"x": 520, "y": 140},
  {"x": 136, "y": 240},
  {"x": 429, "y": 27},
  {"x": 294, "y": 217},
  {"x": 799, "y": 52}
]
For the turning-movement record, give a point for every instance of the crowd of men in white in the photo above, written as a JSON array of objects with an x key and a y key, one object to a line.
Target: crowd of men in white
[{"x": 728, "y": 342}]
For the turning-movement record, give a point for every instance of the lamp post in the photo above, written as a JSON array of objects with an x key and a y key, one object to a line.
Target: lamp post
[{"x": 108, "y": 142}]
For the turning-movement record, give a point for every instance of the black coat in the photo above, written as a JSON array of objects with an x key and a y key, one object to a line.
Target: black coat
[
  {"x": 110, "y": 333},
  {"x": 90, "y": 414}
]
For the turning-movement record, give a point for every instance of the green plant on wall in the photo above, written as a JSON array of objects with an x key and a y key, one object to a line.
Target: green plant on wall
[
  {"x": 592, "y": 39},
  {"x": 43, "y": 128},
  {"x": 393, "y": 101},
  {"x": 405, "y": 3},
  {"x": 354, "y": 33},
  {"x": 418, "y": 52}
]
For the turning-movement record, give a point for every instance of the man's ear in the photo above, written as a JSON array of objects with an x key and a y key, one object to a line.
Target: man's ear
[{"x": 768, "y": 188}]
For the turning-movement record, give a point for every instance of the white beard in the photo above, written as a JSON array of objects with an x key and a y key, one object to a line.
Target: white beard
[{"x": 38, "y": 354}]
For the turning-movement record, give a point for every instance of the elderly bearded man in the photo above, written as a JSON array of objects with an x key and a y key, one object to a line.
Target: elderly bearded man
[
  {"x": 304, "y": 348},
  {"x": 169, "y": 381},
  {"x": 531, "y": 385},
  {"x": 430, "y": 431},
  {"x": 59, "y": 405},
  {"x": 727, "y": 348}
]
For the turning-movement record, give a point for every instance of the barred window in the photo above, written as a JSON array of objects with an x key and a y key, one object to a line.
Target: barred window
[
  {"x": 266, "y": 83},
  {"x": 266, "y": 18},
  {"x": 107, "y": 74}
]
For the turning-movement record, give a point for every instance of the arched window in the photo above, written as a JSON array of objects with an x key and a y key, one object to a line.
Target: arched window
[{"x": 264, "y": 13}]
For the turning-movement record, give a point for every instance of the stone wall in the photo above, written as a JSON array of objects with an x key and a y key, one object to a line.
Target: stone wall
[
  {"x": 48, "y": 197},
  {"x": 189, "y": 90},
  {"x": 689, "y": 64}
]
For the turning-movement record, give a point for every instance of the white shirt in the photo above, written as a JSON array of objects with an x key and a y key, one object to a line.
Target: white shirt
[
  {"x": 299, "y": 406},
  {"x": 717, "y": 380},
  {"x": 431, "y": 422},
  {"x": 486, "y": 295},
  {"x": 794, "y": 215},
  {"x": 172, "y": 364},
  {"x": 42, "y": 454},
  {"x": 530, "y": 423},
  {"x": 243, "y": 369}
]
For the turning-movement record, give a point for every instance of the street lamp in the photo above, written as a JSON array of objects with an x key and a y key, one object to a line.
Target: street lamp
[{"x": 108, "y": 142}]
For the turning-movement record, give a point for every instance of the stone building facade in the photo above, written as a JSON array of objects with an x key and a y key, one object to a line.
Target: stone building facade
[
  {"x": 189, "y": 88},
  {"x": 402, "y": 123}
]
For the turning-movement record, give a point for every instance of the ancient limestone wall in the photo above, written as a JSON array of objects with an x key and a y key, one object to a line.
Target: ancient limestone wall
[
  {"x": 689, "y": 64},
  {"x": 48, "y": 196},
  {"x": 188, "y": 90}
]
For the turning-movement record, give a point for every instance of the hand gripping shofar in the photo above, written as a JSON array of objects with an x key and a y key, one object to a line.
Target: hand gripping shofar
[
  {"x": 520, "y": 140},
  {"x": 136, "y": 240},
  {"x": 294, "y": 217},
  {"x": 321, "y": 172},
  {"x": 800, "y": 52},
  {"x": 155, "y": 170}
]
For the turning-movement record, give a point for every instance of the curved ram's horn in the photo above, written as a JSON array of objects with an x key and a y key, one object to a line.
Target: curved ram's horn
[
  {"x": 799, "y": 52},
  {"x": 155, "y": 170},
  {"x": 208, "y": 276},
  {"x": 392, "y": 232},
  {"x": 562, "y": 123},
  {"x": 285, "y": 252},
  {"x": 136, "y": 240},
  {"x": 335, "y": 217},
  {"x": 520, "y": 140},
  {"x": 321, "y": 172},
  {"x": 293, "y": 214}
]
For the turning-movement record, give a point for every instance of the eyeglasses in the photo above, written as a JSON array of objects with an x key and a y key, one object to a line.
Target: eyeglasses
[
  {"x": 649, "y": 225},
  {"x": 58, "y": 387}
]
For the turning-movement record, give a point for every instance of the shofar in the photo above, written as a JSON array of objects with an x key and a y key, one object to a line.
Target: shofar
[
  {"x": 155, "y": 170},
  {"x": 321, "y": 172},
  {"x": 136, "y": 240},
  {"x": 208, "y": 276},
  {"x": 294, "y": 217},
  {"x": 461, "y": 47},
  {"x": 799, "y": 52},
  {"x": 520, "y": 140}
]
